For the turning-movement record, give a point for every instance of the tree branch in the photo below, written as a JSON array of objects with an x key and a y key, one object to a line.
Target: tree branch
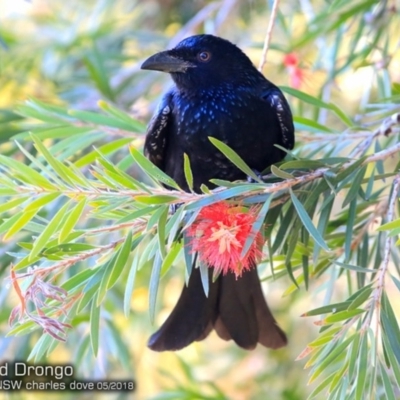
[{"x": 268, "y": 35}]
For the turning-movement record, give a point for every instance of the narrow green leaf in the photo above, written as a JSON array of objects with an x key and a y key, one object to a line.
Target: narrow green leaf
[
  {"x": 48, "y": 232},
  {"x": 161, "y": 232},
  {"x": 361, "y": 297},
  {"x": 22, "y": 329},
  {"x": 355, "y": 186},
  {"x": 57, "y": 132},
  {"x": 396, "y": 282},
  {"x": 302, "y": 213},
  {"x": 136, "y": 214},
  {"x": 387, "y": 384},
  {"x": 353, "y": 353},
  {"x": 309, "y": 124},
  {"x": 354, "y": 267},
  {"x": 318, "y": 103},
  {"x": 105, "y": 149},
  {"x": 119, "y": 345},
  {"x": 156, "y": 199},
  {"x": 8, "y": 192},
  {"x": 390, "y": 327},
  {"x": 390, "y": 225},
  {"x": 342, "y": 315},
  {"x": 28, "y": 174},
  {"x": 10, "y": 204},
  {"x": 120, "y": 262},
  {"x": 321, "y": 386},
  {"x": 362, "y": 368},
  {"x": 232, "y": 156},
  {"x": 94, "y": 327},
  {"x": 108, "y": 267},
  {"x": 350, "y": 229},
  {"x": 188, "y": 171},
  {"x": 256, "y": 226},
  {"x": 151, "y": 170},
  {"x": 338, "y": 377},
  {"x": 58, "y": 167},
  {"x": 81, "y": 349},
  {"x": 72, "y": 219},
  {"x": 149, "y": 250},
  {"x": 41, "y": 167},
  {"x": 173, "y": 225},
  {"x": 77, "y": 280},
  {"x": 154, "y": 218},
  {"x": 222, "y": 195},
  {"x": 342, "y": 175},
  {"x": 302, "y": 164},
  {"x": 153, "y": 285},
  {"x": 28, "y": 111},
  {"x": 20, "y": 222},
  {"x": 40, "y": 348},
  {"x": 41, "y": 201},
  {"x": 324, "y": 217},
  {"x": 340, "y": 113},
  {"x": 130, "y": 284},
  {"x": 188, "y": 255},
  {"x": 204, "y": 277},
  {"x": 393, "y": 361},
  {"x": 330, "y": 308},
  {"x": 280, "y": 174},
  {"x": 87, "y": 297},
  {"x": 337, "y": 351},
  {"x": 136, "y": 126},
  {"x": 170, "y": 257},
  {"x": 68, "y": 247},
  {"x": 101, "y": 119},
  {"x": 94, "y": 63}
]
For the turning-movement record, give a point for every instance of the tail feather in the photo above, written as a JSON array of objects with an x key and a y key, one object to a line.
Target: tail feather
[
  {"x": 191, "y": 319},
  {"x": 235, "y": 308}
]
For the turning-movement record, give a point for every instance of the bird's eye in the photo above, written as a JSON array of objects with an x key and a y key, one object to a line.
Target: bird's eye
[{"x": 204, "y": 56}]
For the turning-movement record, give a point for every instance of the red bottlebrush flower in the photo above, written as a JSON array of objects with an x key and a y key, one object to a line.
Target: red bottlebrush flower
[
  {"x": 296, "y": 74},
  {"x": 291, "y": 59},
  {"x": 219, "y": 234}
]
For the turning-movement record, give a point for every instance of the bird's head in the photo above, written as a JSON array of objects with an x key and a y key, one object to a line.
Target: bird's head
[{"x": 203, "y": 61}]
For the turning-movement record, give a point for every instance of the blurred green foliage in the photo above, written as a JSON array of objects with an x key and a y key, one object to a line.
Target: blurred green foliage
[{"x": 70, "y": 74}]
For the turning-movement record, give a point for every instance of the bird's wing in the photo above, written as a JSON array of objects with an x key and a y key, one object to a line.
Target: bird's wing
[
  {"x": 275, "y": 99},
  {"x": 157, "y": 132}
]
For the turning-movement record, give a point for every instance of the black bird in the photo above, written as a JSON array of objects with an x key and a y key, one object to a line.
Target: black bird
[{"x": 217, "y": 93}]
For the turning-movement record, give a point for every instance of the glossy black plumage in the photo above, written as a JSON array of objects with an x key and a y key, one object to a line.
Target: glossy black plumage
[{"x": 217, "y": 93}]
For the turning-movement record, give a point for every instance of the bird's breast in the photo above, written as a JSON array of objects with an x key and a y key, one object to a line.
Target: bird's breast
[
  {"x": 243, "y": 122},
  {"x": 216, "y": 114}
]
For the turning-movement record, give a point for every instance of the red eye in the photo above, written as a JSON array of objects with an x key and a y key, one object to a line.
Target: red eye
[{"x": 204, "y": 56}]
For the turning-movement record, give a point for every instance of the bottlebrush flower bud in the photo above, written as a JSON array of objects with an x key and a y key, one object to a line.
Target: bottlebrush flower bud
[{"x": 219, "y": 235}]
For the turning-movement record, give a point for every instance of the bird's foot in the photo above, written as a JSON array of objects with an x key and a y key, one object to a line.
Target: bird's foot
[
  {"x": 173, "y": 208},
  {"x": 258, "y": 174}
]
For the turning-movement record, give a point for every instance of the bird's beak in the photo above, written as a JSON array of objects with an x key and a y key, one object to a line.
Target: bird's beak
[{"x": 166, "y": 62}]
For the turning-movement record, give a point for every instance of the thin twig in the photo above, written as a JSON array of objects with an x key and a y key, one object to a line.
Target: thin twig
[
  {"x": 381, "y": 274},
  {"x": 184, "y": 197},
  {"x": 267, "y": 39},
  {"x": 379, "y": 210},
  {"x": 389, "y": 239},
  {"x": 138, "y": 223},
  {"x": 319, "y": 173},
  {"x": 385, "y": 129},
  {"x": 70, "y": 261},
  {"x": 328, "y": 137}
]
